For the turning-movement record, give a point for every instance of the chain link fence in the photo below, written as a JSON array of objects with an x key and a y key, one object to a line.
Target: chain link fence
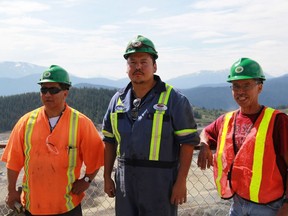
[{"x": 202, "y": 196}]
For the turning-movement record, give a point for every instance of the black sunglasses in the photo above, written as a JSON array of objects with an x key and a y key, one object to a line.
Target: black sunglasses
[{"x": 52, "y": 90}]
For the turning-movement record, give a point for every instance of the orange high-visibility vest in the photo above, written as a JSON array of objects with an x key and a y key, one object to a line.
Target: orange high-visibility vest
[
  {"x": 52, "y": 161},
  {"x": 253, "y": 172}
]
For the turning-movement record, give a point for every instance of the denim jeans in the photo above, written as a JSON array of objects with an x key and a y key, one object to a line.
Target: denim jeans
[{"x": 241, "y": 207}]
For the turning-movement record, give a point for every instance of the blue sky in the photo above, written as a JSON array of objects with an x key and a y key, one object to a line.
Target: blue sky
[{"x": 88, "y": 37}]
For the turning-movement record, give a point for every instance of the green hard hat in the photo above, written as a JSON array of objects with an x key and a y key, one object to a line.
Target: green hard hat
[
  {"x": 55, "y": 73},
  {"x": 245, "y": 68},
  {"x": 140, "y": 44}
]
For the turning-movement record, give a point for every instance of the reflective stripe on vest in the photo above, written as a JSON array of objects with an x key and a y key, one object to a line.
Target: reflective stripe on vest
[
  {"x": 157, "y": 125},
  {"x": 27, "y": 146},
  {"x": 73, "y": 128},
  {"x": 258, "y": 156},
  {"x": 220, "y": 152}
]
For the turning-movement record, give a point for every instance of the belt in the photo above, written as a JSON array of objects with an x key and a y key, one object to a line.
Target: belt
[{"x": 149, "y": 163}]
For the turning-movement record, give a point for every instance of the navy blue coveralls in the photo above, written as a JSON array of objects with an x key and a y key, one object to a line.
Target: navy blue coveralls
[{"x": 148, "y": 159}]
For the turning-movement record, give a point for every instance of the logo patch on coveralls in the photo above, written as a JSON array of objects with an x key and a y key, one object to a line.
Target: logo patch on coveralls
[
  {"x": 120, "y": 108},
  {"x": 160, "y": 107}
]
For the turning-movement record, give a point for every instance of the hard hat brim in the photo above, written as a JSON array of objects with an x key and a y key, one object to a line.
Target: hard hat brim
[{"x": 234, "y": 78}]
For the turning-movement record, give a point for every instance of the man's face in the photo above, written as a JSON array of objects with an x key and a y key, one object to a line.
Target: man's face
[
  {"x": 245, "y": 92},
  {"x": 54, "y": 99},
  {"x": 141, "y": 67}
]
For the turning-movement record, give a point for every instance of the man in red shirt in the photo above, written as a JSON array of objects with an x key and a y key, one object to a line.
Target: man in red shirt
[
  {"x": 52, "y": 143},
  {"x": 251, "y": 159}
]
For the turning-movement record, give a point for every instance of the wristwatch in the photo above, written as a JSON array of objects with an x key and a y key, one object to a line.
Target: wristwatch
[{"x": 87, "y": 179}]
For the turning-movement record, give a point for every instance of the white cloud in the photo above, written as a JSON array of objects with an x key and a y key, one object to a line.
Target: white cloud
[
  {"x": 207, "y": 34},
  {"x": 90, "y": 36},
  {"x": 21, "y": 7},
  {"x": 216, "y": 5},
  {"x": 70, "y": 3},
  {"x": 145, "y": 10},
  {"x": 28, "y": 21}
]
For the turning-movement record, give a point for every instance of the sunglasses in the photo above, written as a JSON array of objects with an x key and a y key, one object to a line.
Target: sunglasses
[{"x": 52, "y": 90}]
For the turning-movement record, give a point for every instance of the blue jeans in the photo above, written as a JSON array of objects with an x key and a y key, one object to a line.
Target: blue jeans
[{"x": 241, "y": 207}]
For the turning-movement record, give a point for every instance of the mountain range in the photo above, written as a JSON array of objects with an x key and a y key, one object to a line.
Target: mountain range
[
  {"x": 25, "y": 77},
  {"x": 206, "y": 89}
]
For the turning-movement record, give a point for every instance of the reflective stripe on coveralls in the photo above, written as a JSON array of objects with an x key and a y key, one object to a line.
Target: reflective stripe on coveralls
[
  {"x": 114, "y": 119},
  {"x": 73, "y": 128},
  {"x": 156, "y": 127},
  {"x": 111, "y": 135},
  {"x": 259, "y": 151}
]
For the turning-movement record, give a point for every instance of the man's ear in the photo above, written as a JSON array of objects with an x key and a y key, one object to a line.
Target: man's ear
[{"x": 155, "y": 67}]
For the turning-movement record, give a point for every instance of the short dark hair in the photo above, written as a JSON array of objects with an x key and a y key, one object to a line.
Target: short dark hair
[{"x": 260, "y": 81}]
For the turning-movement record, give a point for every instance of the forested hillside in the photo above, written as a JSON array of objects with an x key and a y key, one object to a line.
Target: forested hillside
[{"x": 92, "y": 102}]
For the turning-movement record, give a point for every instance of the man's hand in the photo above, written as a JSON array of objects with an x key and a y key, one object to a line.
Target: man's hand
[
  {"x": 79, "y": 186},
  {"x": 205, "y": 157},
  {"x": 283, "y": 211},
  {"x": 13, "y": 197},
  {"x": 179, "y": 192},
  {"x": 109, "y": 187}
]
